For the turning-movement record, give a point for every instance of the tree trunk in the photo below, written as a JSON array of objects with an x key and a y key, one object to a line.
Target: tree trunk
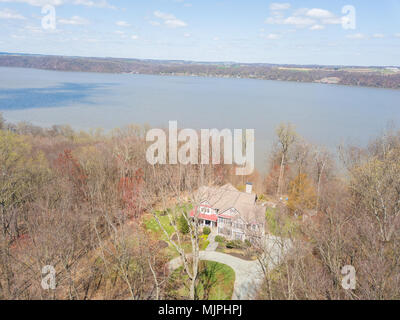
[{"x": 281, "y": 173}]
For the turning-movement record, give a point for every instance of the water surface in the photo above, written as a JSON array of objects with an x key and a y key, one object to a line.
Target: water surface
[{"x": 324, "y": 114}]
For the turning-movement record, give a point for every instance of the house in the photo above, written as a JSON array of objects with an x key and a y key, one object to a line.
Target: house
[{"x": 230, "y": 212}]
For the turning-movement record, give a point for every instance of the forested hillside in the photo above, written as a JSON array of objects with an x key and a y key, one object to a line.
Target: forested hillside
[
  {"x": 369, "y": 77},
  {"x": 80, "y": 202}
]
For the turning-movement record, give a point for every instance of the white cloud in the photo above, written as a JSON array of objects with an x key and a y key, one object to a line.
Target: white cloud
[
  {"x": 33, "y": 29},
  {"x": 334, "y": 20},
  {"x": 356, "y": 36},
  {"x": 164, "y": 16},
  {"x": 123, "y": 24},
  {"x": 94, "y": 4},
  {"x": 397, "y": 35},
  {"x": 75, "y": 20},
  {"x": 187, "y": 35},
  {"x": 134, "y": 37},
  {"x": 175, "y": 23},
  {"x": 170, "y": 20},
  {"x": 37, "y": 3},
  {"x": 154, "y": 23},
  {"x": 317, "y": 27},
  {"x": 185, "y": 4},
  {"x": 276, "y": 6},
  {"x": 41, "y": 3},
  {"x": 319, "y": 13},
  {"x": 378, "y": 36},
  {"x": 316, "y": 18},
  {"x": 273, "y": 36},
  {"x": 10, "y": 14},
  {"x": 292, "y": 20}
]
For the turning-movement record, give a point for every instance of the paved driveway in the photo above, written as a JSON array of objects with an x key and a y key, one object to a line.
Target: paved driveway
[
  {"x": 248, "y": 274},
  {"x": 213, "y": 244}
]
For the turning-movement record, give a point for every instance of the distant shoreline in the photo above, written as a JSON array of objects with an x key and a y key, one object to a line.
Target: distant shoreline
[{"x": 371, "y": 77}]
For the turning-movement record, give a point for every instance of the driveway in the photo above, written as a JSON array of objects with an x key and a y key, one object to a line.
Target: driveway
[
  {"x": 213, "y": 245},
  {"x": 248, "y": 274}
]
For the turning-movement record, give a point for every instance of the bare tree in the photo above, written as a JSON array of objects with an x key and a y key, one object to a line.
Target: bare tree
[{"x": 286, "y": 137}]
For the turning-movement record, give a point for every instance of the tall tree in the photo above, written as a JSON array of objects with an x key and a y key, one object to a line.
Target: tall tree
[{"x": 286, "y": 135}]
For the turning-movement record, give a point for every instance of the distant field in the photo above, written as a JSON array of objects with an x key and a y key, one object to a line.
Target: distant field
[
  {"x": 296, "y": 69},
  {"x": 371, "y": 70}
]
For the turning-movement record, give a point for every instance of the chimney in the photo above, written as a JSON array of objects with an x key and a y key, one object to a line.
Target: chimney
[{"x": 249, "y": 187}]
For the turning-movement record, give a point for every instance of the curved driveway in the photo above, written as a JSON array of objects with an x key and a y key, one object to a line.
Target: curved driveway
[{"x": 248, "y": 274}]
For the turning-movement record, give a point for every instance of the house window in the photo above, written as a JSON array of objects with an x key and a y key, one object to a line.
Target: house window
[
  {"x": 238, "y": 225},
  {"x": 238, "y": 236},
  {"x": 224, "y": 221}
]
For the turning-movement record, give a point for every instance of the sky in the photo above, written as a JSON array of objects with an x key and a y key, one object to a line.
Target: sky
[{"x": 287, "y": 32}]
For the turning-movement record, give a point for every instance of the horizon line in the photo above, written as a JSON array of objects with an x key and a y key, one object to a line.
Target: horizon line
[{"x": 202, "y": 61}]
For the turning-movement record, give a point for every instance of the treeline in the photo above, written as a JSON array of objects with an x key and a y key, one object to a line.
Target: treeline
[
  {"x": 74, "y": 201},
  {"x": 334, "y": 218},
  {"x": 254, "y": 71}
]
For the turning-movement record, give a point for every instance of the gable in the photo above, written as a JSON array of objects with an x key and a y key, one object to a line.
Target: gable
[{"x": 231, "y": 212}]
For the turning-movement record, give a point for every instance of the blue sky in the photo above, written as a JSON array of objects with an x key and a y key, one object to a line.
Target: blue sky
[{"x": 298, "y": 32}]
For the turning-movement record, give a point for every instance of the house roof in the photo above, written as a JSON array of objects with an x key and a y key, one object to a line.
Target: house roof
[
  {"x": 208, "y": 217},
  {"x": 228, "y": 197}
]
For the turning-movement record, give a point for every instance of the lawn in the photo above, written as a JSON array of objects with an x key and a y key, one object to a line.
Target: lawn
[
  {"x": 216, "y": 282},
  {"x": 152, "y": 225}
]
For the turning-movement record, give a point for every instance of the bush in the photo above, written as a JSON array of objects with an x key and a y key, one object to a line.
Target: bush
[
  {"x": 206, "y": 230},
  {"x": 163, "y": 213},
  {"x": 220, "y": 239},
  {"x": 247, "y": 243},
  {"x": 204, "y": 237},
  {"x": 262, "y": 197},
  {"x": 183, "y": 225},
  {"x": 234, "y": 244}
]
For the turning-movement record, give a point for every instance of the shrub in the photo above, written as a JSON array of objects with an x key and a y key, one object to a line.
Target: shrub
[
  {"x": 163, "y": 213},
  {"x": 234, "y": 244},
  {"x": 206, "y": 230},
  {"x": 204, "y": 237},
  {"x": 262, "y": 197},
  {"x": 220, "y": 239},
  {"x": 183, "y": 225},
  {"x": 247, "y": 243}
]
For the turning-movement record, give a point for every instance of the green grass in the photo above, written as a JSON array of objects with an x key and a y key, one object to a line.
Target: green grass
[
  {"x": 271, "y": 220},
  {"x": 284, "y": 228},
  {"x": 216, "y": 282},
  {"x": 203, "y": 242},
  {"x": 187, "y": 246},
  {"x": 152, "y": 225}
]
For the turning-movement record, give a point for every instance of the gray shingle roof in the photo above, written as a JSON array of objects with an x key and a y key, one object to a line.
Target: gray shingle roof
[{"x": 228, "y": 197}]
